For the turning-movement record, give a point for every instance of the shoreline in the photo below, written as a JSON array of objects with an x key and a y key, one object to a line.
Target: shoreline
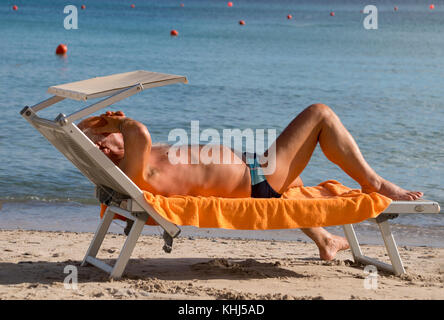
[
  {"x": 367, "y": 235},
  {"x": 420, "y": 230},
  {"x": 33, "y": 262}
]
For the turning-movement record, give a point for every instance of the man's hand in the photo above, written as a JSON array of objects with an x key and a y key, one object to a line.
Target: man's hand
[
  {"x": 114, "y": 113},
  {"x": 109, "y": 122},
  {"x": 98, "y": 121}
]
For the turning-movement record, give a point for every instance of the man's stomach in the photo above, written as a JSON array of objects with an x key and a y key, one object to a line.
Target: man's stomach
[{"x": 230, "y": 180}]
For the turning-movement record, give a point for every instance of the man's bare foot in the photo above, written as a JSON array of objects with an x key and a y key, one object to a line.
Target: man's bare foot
[
  {"x": 392, "y": 191},
  {"x": 331, "y": 245}
]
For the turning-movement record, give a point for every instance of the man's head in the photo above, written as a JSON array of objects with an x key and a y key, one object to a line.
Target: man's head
[{"x": 111, "y": 144}]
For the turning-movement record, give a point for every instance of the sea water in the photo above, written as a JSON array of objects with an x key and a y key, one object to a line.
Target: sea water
[{"x": 386, "y": 85}]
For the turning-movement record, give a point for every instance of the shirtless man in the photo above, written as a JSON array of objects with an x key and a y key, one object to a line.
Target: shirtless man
[{"x": 128, "y": 144}]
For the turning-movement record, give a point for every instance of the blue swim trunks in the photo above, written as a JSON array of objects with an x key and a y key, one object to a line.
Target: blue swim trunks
[{"x": 260, "y": 187}]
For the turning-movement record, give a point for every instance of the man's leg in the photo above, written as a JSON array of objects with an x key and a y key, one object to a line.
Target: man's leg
[
  {"x": 293, "y": 150},
  {"x": 328, "y": 244},
  {"x": 318, "y": 123}
]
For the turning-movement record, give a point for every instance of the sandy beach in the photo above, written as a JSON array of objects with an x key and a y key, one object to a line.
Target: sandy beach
[{"x": 33, "y": 264}]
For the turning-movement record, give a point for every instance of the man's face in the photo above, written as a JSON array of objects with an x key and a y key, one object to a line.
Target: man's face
[{"x": 111, "y": 144}]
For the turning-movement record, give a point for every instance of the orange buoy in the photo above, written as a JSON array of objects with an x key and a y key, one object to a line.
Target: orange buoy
[
  {"x": 432, "y": 6},
  {"x": 289, "y": 17},
  {"x": 14, "y": 7},
  {"x": 174, "y": 33},
  {"x": 230, "y": 4},
  {"x": 133, "y": 6},
  {"x": 182, "y": 5},
  {"x": 395, "y": 8},
  {"x": 332, "y": 13},
  {"x": 61, "y": 49},
  {"x": 83, "y": 7},
  {"x": 242, "y": 22}
]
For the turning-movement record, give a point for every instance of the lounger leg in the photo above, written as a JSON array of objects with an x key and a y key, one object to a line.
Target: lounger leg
[
  {"x": 100, "y": 234},
  {"x": 128, "y": 248},
  {"x": 392, "y": 249},
  {"x": 397, "y": 268},
  {"x": 352, "y": 241}
]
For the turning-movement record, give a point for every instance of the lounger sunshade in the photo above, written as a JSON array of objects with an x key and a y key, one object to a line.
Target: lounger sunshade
[
  {"x": 123, "y": 197},
  {"x": 105, "y": 86}
]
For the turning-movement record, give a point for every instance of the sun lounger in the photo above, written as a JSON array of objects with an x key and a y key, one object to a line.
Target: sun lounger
[{"x": 123, "y": 197}]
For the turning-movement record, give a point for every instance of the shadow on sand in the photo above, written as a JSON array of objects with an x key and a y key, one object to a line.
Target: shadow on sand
[{"x": 176, "y": 269}]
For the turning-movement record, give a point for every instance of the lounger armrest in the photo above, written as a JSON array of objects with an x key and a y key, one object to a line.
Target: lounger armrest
[{"x": 411, "y": 207}]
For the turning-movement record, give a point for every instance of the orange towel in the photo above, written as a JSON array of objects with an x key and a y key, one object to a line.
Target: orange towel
[{"x": 330, "y": 203}]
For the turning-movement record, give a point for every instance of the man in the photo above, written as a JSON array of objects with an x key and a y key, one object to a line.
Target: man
[{"x": 128, "y": 144}]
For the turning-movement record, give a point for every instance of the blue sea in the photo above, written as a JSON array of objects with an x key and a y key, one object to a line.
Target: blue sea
[{"x": 386, "y": 85}]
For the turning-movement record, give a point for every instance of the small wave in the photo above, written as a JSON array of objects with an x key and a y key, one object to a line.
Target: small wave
[{"x": 32, "y": 198}]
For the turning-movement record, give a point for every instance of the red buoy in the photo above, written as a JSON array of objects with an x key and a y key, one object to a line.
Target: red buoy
[
  {"x": 61, "y": 49},
  {"x": 230, "y": 4},
  {"x": 242, "y": 22},
  {"x": 182, "y": 5},
  {"x": 174, "y": 33},
  {"x": 83, "y": 7},
  {"x": 133, "y": 6},
  {"x": 332, "y": 13},
  {"x": 289, "y": 17},
  {"x": 395, "y": 8},
  {"x": 15, "y": 8},
  {"x": 432, "y": 6}
]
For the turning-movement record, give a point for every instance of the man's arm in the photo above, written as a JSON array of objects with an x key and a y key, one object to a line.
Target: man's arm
[
  {"x": 137, "y": 145},
  {"x": 97, "y": 121},
  {"x": 90, "y": 123}
]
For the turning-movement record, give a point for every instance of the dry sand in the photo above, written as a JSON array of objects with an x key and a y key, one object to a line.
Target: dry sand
[{"x": 32, "y": 266}]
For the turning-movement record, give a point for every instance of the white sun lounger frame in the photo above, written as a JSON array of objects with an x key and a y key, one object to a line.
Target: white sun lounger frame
[
  {"x": 395, "y": 209},
  {"x": 64, "y": 134}
]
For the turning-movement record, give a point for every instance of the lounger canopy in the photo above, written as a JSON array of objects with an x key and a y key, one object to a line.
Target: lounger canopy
[
  {"x": 108, "y": 85},
  {"x": 123, "y": 197}
]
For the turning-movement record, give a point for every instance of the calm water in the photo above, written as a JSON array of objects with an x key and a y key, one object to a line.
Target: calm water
[{"x": 386, "y": 85}]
